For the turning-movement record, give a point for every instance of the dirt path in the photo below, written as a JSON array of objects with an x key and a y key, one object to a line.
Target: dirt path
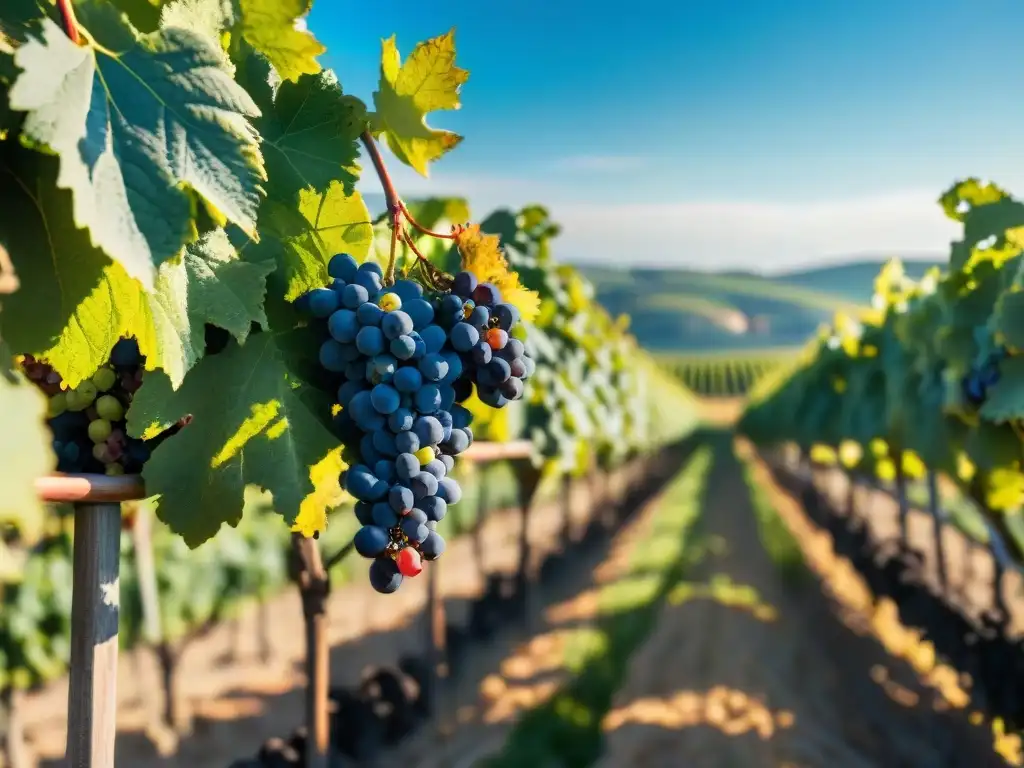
[{"x": 749, "y": 669}]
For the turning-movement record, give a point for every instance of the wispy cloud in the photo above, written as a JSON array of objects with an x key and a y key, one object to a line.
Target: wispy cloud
[
  {"x": 754, "y": 235},
  {"x": 726, "y": 234}
]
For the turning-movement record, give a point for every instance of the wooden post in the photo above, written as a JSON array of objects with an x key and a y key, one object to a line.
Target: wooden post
[
  {"x": 437, "y": 663},
  {"x": 313, "y": 585},
  {"x": 566, "y": 510},
  {"x": 934, "y": 505},
  {"x": 12, "y": 731},
  {"x": 92, "y": 694},
  {"x": 901, "y": 498}
]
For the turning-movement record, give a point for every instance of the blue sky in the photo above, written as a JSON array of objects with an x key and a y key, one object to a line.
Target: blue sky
[{"x": 726, "y": 133}]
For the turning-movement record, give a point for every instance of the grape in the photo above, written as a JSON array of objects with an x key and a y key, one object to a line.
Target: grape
[
  {"x": 385, "y": 576},
  {"x": 354, "y": 296},
  {"x": 482, "y": 353},
  {"x": 384, "y": 515},
  {"x": 428, "y": 398},
  {"x": 408, "y": 379},
  {"x": 406, "y": 465},
  {"x": 401, "y": 359},
  {"x": 332, "y": 356},
  {"x": 408, "y": 562},
  {"x": 432, "y": 547},
  {"x": 125, "y": 354},
  {"x": 449, "y": 490},
  {"x": 464, "y": 284},
  {"x": 429, "y": 430},
  {"x": 407, "y": 442},
  {"x": 370, "y": 340},
  {"x": 434, "y": 507},
  {"x": 343, "y": 325},
  {"x": 487, "y": 294},
  {"x": 404, "y": 347},
  {"x": 421, "y": 313},
  {"x": 401, "y": 421},
  {"x": 369, "y": 314},
  {"x": 415, "y": 530},
  {"x": 371, "y": 541},
  {"x": 342, "y": 266},
  {"x": 104, "y": 379},
  {"x": 424, "y": 484},
  {"x": 396, "y": 324},
  {"x": 110, "y": 408},
  {"x": 385, "y": 399},
  {"x": 99, "y": 430},
  {"x": 322, "y": 302},
  {"x": 364, "y": 512}
]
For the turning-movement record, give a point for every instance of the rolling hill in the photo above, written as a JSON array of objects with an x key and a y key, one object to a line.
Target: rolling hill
[{"x": 680, "y": 310}]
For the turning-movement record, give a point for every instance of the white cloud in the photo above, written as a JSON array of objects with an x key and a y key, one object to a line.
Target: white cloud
[
  {"x": 763, "y": 236},
  {"x": 753, "y": 235}
]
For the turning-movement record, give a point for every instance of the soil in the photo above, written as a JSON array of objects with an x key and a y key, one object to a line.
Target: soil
[{"x": 746, "y": 666}]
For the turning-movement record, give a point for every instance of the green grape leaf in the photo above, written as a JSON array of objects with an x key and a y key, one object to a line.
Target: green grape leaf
[
  {"x": 269, "y": 26},
  {"x": 75, "y": 302},
  {"x": 310, "y": 135},
  {"x": 143, "y": 126},
  {"x": 221, "y": 289},
  {"x": 1004, "y": 400},
  {"x": 302, "y": 239},
  {"x": 252, "y": 424},
  {"x": 992, "y": 446},
  {"x": 428, "y": 81}
]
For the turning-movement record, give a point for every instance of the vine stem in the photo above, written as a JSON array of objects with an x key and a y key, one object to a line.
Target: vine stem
[
  {"x": 421, "y": 228},
  {"x": 397, "y": 210},
  {"x": 67, "y": 15},
  {"x": 394, "y": 202}
]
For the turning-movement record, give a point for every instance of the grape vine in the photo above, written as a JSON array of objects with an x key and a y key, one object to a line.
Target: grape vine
[{"x": 932, "y": 377}]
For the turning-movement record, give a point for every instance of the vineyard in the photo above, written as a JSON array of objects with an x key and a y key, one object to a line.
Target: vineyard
[
  {"x": 725, "y": 374},
  {"x": 290, "y": 484}
]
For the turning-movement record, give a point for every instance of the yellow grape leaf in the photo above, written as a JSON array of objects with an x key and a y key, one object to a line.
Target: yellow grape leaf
[
  {"x": 327, "y": 494},
  {"x": 276, "y": 28},
  {"x": 428, "y": 81},
  {"x": 1005, "y": 488},
  {"x": 481, "y": 255}
]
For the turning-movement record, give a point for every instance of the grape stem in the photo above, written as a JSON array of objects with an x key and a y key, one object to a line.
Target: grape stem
[
  {"x": 397, "y": 210},
  {"x": 67, "y": 15}
]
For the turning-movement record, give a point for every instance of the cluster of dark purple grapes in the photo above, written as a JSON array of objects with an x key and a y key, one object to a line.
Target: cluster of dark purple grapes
[
  {"x": 980, "y": 379},
  {"x": 479, "y": 326},
  {"x": 88, "y": 421},
  {"x": 401, "y": 380}
]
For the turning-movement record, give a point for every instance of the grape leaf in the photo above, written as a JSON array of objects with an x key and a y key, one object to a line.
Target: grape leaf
[
  {"x": 140, "y": 122},
  {"x": 302, "y": 239},
  {"x": 252, "y": 424},
  {"x": 1004, "y": 401},
  {"x": 210, "y": 18},
  {"x": 311, "y": 136},
  {"x": 276, "y": 28},
  {"x": 75, "y": 303},
  {"x": 428, "y": 81}
]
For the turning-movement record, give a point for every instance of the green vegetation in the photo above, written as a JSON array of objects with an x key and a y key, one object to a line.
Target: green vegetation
[
  {"x": 728, "y": 373},
  {"x": 677, "y": 310},
  {"x": 776, "y": 538}
]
